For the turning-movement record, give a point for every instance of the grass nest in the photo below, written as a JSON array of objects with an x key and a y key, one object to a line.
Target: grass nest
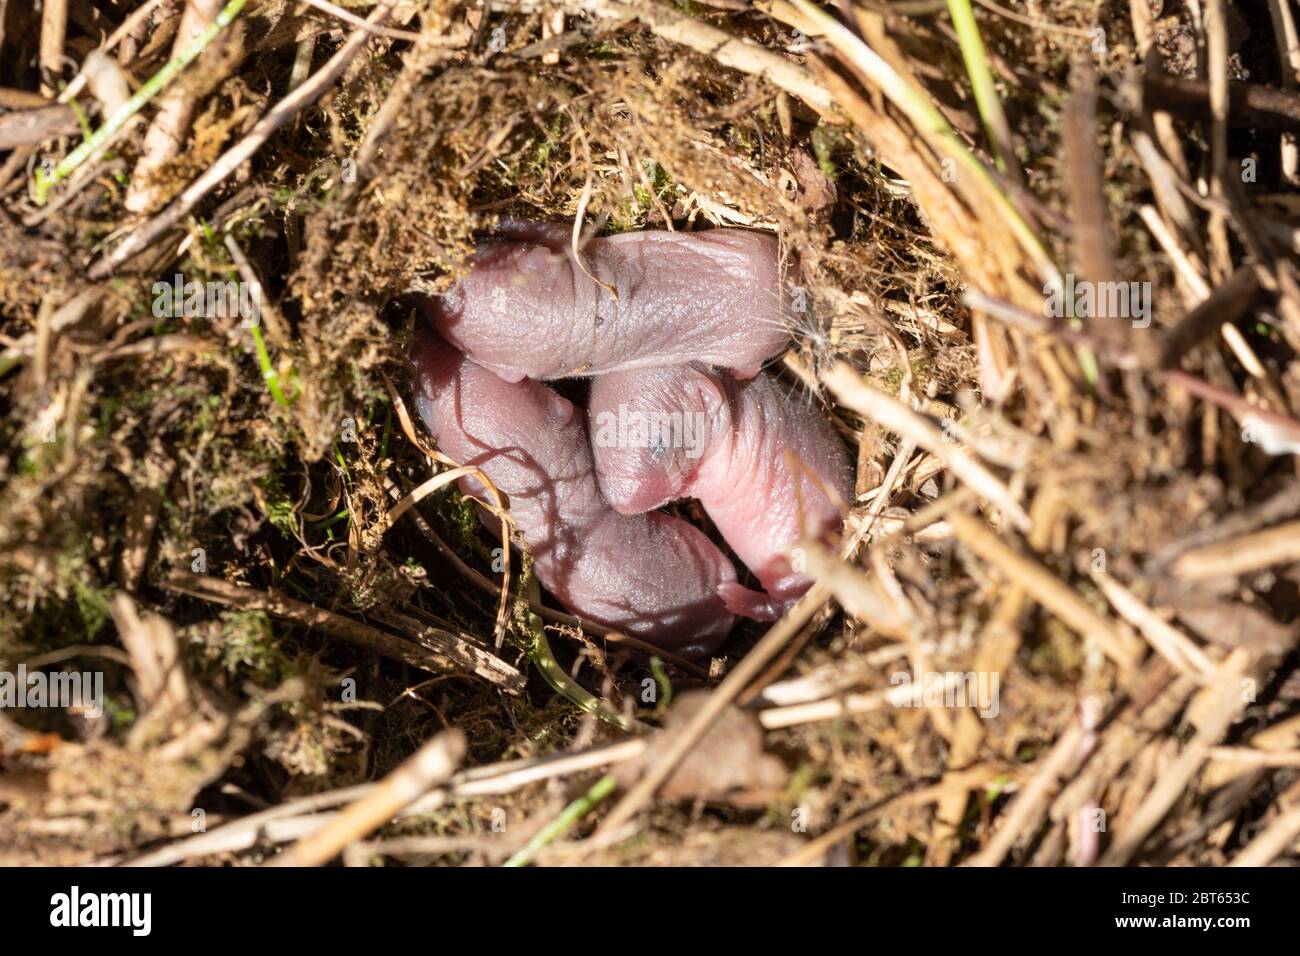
[{"x": 1047, "y": 275}]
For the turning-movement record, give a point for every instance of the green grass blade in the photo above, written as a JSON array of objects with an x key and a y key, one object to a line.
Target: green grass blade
[
  {"x": 981, "y": 78},
  {"x": 564, "y": 685},
  {"x": 927, "y": 119},
  {"x": 147, "y": 91},
  {"x": 571, "y": 814}
]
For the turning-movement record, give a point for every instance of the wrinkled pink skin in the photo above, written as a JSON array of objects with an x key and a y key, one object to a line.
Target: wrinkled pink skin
[
  {"x": 740, "y": 472},
  {"x": 526, "y": 310},
  {"x": 653, "y": 576}
]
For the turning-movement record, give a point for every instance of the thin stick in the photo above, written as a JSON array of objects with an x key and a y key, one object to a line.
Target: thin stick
[
  {"x": 1273, "y": 842},
  {"x": 173, "y": 115},
  {"x": 774, "y": 718},
  {"x": 301, "y": 63},
  {"x": 336, "y": 11},
  {"x": 430, "y": 765},
  {"x": 1288, "y": 50},
  {"x": 855, "y": 592},
  {"x": 1216, "y": 65},
  {"x": 408, "y": 429},
  {"x": 820, "y": 845},
  {"x": 849, "y": 387},
  {"x": 147, "y": 91},
  {"x": 734, "y": 52},
  {"x": 1046, "y": 588},
  {"x": 930, "y": 123},
  {"x": 1227, "y": 701},
  {"x": 749, "y": 668},
  {"x": 1250, "y": 757},
  {"x": 297, "y": 817},
  {"x": 54, "y": 32},
  {"x": 1046, "y": 26},
  {"x": 1241, "y": 555},
  {"x": 1031, "y": 803},
  {"x": 441, "y": 651},
  {"x": 230, "y": 160},
  {"x": 1169, "y": 642}
]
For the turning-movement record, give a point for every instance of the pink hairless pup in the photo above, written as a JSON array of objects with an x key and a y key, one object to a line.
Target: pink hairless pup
[
  {"x": 652, "y": 575},
  {"x": 527, "y": 309},
  {"x": 766, "y": 468}
]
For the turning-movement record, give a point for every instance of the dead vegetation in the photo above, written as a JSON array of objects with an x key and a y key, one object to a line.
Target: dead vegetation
[{"x": 1088, "y": 513}]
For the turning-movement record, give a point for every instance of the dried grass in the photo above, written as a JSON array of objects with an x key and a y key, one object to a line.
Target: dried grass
[{"x": 1096, "y": 512}]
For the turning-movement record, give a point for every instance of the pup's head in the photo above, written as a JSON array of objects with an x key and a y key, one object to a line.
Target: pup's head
[{"x": 650, "y": 430}]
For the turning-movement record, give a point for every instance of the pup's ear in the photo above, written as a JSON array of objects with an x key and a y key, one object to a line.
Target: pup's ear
[{"x": 713, "y": 393}]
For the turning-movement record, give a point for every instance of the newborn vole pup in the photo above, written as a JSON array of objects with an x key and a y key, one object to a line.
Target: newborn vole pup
[
  {"x": 528, "y": 310},
  {"x": 652, "y": 575},
  {"x": 689, "y": 432}
]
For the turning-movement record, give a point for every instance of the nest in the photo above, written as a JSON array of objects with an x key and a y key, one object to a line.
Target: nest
[{"x": 1048, "y": 294}]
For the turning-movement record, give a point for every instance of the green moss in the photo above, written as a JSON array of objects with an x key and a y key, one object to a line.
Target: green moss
[
  {"x": 461, "y": 516},
  {"x": 106, "y": 413},
  {"x": 91, "y": 602},
  {"x": 280, "y": 509},
  {"x": 248, "y": 646},
  {"x": 73, "y": 610},
  {"x": 922, "y": 373},
  {"x": 662, "y": 189},
  {"x": 535, "y": 157},
  {"x": 825, "y": 142},
  {"x": 120, "y": 715}
]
